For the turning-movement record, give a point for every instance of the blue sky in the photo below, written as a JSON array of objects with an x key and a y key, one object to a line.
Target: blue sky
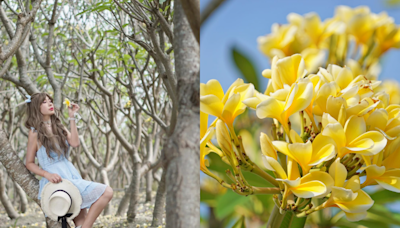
[{"x": 239, "y": 23}]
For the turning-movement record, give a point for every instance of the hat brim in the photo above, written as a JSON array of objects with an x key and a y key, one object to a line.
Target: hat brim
[{"x": 66, "y": 185}]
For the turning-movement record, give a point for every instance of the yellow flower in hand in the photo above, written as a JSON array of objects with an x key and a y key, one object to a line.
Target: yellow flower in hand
[{"x": 67, "y": 102}]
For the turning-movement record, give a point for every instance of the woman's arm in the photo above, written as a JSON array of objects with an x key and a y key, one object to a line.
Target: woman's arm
[
  {"x": 72, "y": 136},
  {"x": 30, "y": 155}
]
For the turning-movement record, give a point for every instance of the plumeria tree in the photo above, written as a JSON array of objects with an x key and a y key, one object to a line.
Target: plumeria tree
[{"x": 333, "y": 127}]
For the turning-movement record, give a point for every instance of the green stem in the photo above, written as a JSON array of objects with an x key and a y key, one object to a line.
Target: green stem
[
  {"x": 275, "y": 219},
  {"x": 265, "y": 175},
  {"x": 265, "y": 190}
]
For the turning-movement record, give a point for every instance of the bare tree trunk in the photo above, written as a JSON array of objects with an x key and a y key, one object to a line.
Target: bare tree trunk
[
  {"x": 159, "y": 204},
  {"x": 22, "y": 197},
  {"x": 123, "y": 205},
  {"x": 134, "y": 189},
  {"x": 183, "y": 158},
  {"x": 20, "y": 174},
  {"x": 8, "y": 206},
  {"x": 149, "y": 184}
]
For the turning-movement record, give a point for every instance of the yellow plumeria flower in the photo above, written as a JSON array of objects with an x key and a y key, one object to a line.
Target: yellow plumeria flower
[
  {"x": 391, "y": 87},
  {"x": 348, "y": 196},
  {"x": 343, "y": 76},
  {"x": 226, "y": 106},
  {"x": 205, "y": 137},
  {"x": 381, "y": 121},
  {"x": 314, "y": 184},
  {"x": 286, "y": 71},
  {"x": 388, "y": 179},
  {"x": 67, "y": 102},
  {"x": 279, "y": 42},
  {"x": 299, "y": 97},
  {"x": 353, "y": 137},
  {"x": 267, "y": 148},
  {"x": 307, "y": 154}
]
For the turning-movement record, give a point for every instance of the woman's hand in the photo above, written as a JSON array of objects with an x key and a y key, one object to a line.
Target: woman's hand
[
  {"x": 73, "y": 109},
  {"x": 53, "y": 177}
]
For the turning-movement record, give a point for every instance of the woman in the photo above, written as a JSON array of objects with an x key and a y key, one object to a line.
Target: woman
[{"x": 49, "y": 141}]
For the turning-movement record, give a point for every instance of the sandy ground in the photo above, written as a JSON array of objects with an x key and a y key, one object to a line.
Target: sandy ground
[{"x": 34, "y": 216}]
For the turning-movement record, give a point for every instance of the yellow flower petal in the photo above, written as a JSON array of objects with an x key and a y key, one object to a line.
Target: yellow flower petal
[
  {"x": 211, "y": 105},
  {"x": 338, "y": 172},
  {"x": 266, "y": 146},
  {"x": 299, "y": 97},
  {"x": 212, "y": 87},
  {"x": 309, "y": 189},
  {"x": 378, "y": 119},
  {"x": 301, "y": 153},
  {"x": 379, "y": 142},
  {"x": 354, "y": 127},
  {"x": 270, "y": 108},
  {"x": 333, "y": 106},
  {"x": 290, "y": 69},
  {"x": 273, "y": 165},
  {"x": 231, "y": 109},
  {"x": 336, "y": 132},
  {"x": 390, "y": 180},
  {"x": 353, "y": 183},
  {"x": 295, "y": 137},
  {"x": 361, "y": 203},
  {"x": 323, "y": 177},
  {"x": 292, "y": 169},
  {"x": 340, "y": 194}
]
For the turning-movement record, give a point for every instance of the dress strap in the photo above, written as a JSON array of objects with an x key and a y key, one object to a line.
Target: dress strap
[{"x": 33, "y": 129}]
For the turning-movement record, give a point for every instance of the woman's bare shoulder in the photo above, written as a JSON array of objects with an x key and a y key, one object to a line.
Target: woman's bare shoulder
[{"x": 33, "y": 139}]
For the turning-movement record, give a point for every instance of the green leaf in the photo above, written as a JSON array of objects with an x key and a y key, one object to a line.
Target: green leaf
[
  {"x": 62, "y": 35},
  {"x": 112, "y": 50},
  {"x": 226, "y": 203},
  {"x": 381, "y": 213},
  {"x": 83, "y": 12},
  {"x": 161, "y": 1},
  {"x": 246, "y": 67},
  {"x": 119, "y": 69},
  {"x": 385, "y": 196},
  {"x": 126, "y": 57},
  {"x": 291, "y": 221},
  {"x": 240, "y": 223},
  {"x": 132, "y": 44}
]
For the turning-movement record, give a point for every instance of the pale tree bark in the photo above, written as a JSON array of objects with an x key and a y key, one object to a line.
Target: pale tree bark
[
  {"x": 20, "y": 174},
  {"x": 12, "y": 214},
  {"x": 22, "y": 197},
  {"x": 183, "y": 158},
  {"x": 20, "y": 49},
  {"x": 22, "y": 30},
  {"x": 159, "y": 205},
  {"x": 192, "y": 12}
]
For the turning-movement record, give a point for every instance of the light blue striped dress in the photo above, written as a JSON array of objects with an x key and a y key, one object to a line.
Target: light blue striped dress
[{"x": 90, "y": 191}]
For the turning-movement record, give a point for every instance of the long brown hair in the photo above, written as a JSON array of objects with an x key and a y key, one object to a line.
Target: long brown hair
[{"x": 56, "y": 141}]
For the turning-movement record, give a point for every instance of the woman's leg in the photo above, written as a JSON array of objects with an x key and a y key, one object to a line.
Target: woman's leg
[
  {"x": 97, "y": 207},
  {"x": 78, "y": 220}
]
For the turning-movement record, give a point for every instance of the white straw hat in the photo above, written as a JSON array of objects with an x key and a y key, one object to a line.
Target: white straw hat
[{"x": 61, "y": 201}]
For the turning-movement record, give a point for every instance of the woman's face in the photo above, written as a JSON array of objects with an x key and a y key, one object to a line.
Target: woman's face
[{"x": 47, "y": 108}]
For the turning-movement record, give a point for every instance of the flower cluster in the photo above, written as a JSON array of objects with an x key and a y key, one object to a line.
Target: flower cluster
[
  {"x": 355, "y": 37},
  {"x": 347, "y": 130}
]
